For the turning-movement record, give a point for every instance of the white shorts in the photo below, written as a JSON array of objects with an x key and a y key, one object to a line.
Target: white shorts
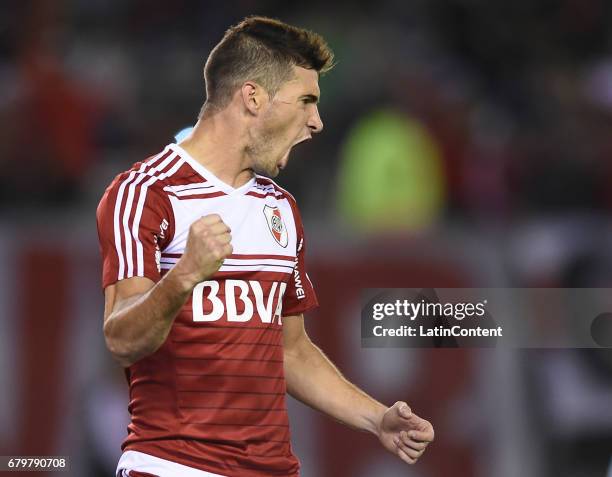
[{"x": 141, "y": 462}]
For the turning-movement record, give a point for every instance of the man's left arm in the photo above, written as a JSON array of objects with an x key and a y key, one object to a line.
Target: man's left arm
[{"x": 313, "y": 379}]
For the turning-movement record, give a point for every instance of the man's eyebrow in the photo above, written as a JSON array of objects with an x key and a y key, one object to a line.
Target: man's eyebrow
[{"x": 312, "y": 98}]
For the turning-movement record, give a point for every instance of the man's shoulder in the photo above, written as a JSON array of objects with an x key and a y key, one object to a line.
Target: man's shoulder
[
  {"x": 265, "y": 183},
  {"x": 154, "y": 173},
  {"x": 147, "y": 178}
]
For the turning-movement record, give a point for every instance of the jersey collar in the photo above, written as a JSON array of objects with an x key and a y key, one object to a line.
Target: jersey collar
[{"x": 209, "y": 176}]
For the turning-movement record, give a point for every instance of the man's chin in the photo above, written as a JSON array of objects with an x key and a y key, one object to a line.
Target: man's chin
[
  {"x": 273, "y": 174},
  {"x": 268, "y": 172}
]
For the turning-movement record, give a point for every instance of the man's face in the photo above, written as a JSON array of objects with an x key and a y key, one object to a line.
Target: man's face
[{"x": 290, "y": 117}]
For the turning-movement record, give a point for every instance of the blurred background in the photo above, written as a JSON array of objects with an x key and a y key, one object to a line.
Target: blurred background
[{"x": 467, "y": 144}]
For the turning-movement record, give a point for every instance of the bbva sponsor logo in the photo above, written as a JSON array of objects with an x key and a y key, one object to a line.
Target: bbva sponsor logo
[{"x": 269, "y": 308}]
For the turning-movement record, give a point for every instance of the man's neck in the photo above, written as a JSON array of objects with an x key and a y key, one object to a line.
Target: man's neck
[{"x": 219, "y": 148}]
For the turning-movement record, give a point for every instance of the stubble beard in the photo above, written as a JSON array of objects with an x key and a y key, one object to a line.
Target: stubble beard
[
  {"x": 263, "y": 152},
  {"x": 268, "y": 170},
  {"x": 262, "y": 160}
]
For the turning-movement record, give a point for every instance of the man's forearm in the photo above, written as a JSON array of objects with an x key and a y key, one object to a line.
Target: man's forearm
[
  {"x": 140, "y": 325},
  {"x": 313, "y": 379}
]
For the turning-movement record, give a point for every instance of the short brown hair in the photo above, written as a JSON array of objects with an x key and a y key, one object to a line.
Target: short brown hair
[{"x": 263, "y": 50}]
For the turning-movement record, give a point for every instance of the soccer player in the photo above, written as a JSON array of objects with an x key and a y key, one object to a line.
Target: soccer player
[{"x": 205, "y": 280}]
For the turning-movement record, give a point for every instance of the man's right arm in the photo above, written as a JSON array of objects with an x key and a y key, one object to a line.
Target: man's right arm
[{"x": 139, "y": 313}]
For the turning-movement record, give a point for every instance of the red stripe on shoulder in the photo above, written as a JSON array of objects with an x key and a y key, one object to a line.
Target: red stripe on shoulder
[
  {"x": 150, "y": 162},
  {"x": 269, "y": 182},
  {"x": 186, "y": 175}
]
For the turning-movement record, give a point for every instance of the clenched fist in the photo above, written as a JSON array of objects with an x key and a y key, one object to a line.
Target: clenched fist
[
  {"x": 208, "y": 244},
  {"x": 403, "y": 433}
]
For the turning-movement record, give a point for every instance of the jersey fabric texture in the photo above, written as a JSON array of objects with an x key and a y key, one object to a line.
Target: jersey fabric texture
[{"x": 212, "y": 397}]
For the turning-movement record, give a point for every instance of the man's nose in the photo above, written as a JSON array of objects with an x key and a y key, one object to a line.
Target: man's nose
[{"x": 314, "y": 121}]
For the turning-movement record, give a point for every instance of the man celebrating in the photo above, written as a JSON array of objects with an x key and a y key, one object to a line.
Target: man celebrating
[{"x": 205, "y": 281}]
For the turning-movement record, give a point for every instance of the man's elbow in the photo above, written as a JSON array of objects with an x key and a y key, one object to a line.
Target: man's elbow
[
  {"x": 121, "y": 349},
  {"x": 125, "y": 359}
]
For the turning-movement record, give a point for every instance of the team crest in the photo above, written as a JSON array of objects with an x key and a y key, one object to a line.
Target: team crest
[{"x": 276, "y": 225}]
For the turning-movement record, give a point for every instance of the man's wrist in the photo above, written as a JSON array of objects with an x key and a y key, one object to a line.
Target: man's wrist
[
  {"x": 183, "y": 281},
  {"x": 375, "y": 421}
]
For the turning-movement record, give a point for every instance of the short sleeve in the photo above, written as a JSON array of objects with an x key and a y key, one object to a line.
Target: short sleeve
[
  {"x": 134, "y": 220},
  {"x": 300, "y": 295}
]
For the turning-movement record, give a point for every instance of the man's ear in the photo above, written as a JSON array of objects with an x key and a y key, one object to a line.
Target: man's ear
[{"x": 253, "y": 97}]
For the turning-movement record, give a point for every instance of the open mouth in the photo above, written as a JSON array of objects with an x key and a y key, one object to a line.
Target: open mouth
[
  {"x": 285, "y": 159},
  {"x": 301, "y": 141}
]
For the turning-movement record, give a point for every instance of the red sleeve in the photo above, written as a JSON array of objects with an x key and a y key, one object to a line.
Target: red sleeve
[
  {"x": 300, "y": 295},
  {"x": 135, "y": 221}
]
